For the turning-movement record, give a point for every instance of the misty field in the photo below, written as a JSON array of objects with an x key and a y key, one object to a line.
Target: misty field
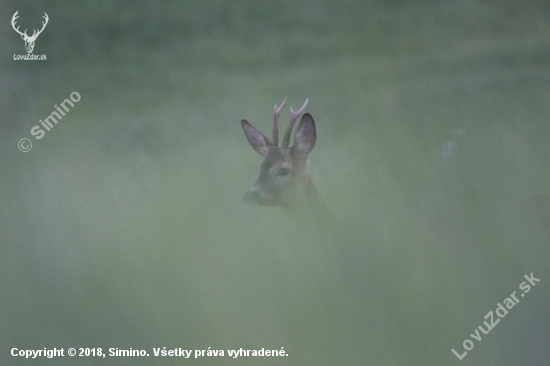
[{"x": 125, "y": 226}]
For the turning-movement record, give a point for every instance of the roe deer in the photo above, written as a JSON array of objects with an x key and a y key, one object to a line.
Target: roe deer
[{"x": 283, "y": 178}]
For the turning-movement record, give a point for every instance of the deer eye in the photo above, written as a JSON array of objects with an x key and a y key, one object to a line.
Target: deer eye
[{"x": 283, "y": 172}]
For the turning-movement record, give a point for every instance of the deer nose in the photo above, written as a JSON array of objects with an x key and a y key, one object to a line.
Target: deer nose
[{"x": 252, "y": 197}]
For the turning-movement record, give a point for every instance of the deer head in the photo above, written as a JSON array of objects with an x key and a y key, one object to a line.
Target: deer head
[
  {"x": 283, "y": 176},
  {"x": 29, "y": 40}
]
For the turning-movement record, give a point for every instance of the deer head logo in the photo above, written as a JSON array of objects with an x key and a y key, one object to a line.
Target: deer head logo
[{"x": 29, "y": 40}]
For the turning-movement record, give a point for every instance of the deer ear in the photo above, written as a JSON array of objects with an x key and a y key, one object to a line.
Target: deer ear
[
  {"x": 259, "y": 142},
  {"x": 305, "y": 136}
]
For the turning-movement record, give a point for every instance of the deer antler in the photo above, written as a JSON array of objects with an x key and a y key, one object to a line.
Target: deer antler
[
  {"x": 43, "y": 26},
  {"x": 24, "y": 34},
  {"x": 293, "y": 117},
  {"x": 276, "y": 113},
  {"x": 13, "y": 20}
]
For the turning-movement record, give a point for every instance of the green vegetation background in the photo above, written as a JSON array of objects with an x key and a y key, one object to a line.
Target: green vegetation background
[{"x": 125, "y": 225}]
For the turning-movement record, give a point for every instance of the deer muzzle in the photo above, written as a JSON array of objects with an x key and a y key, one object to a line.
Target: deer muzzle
[{"x": 253, "y": 197}]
